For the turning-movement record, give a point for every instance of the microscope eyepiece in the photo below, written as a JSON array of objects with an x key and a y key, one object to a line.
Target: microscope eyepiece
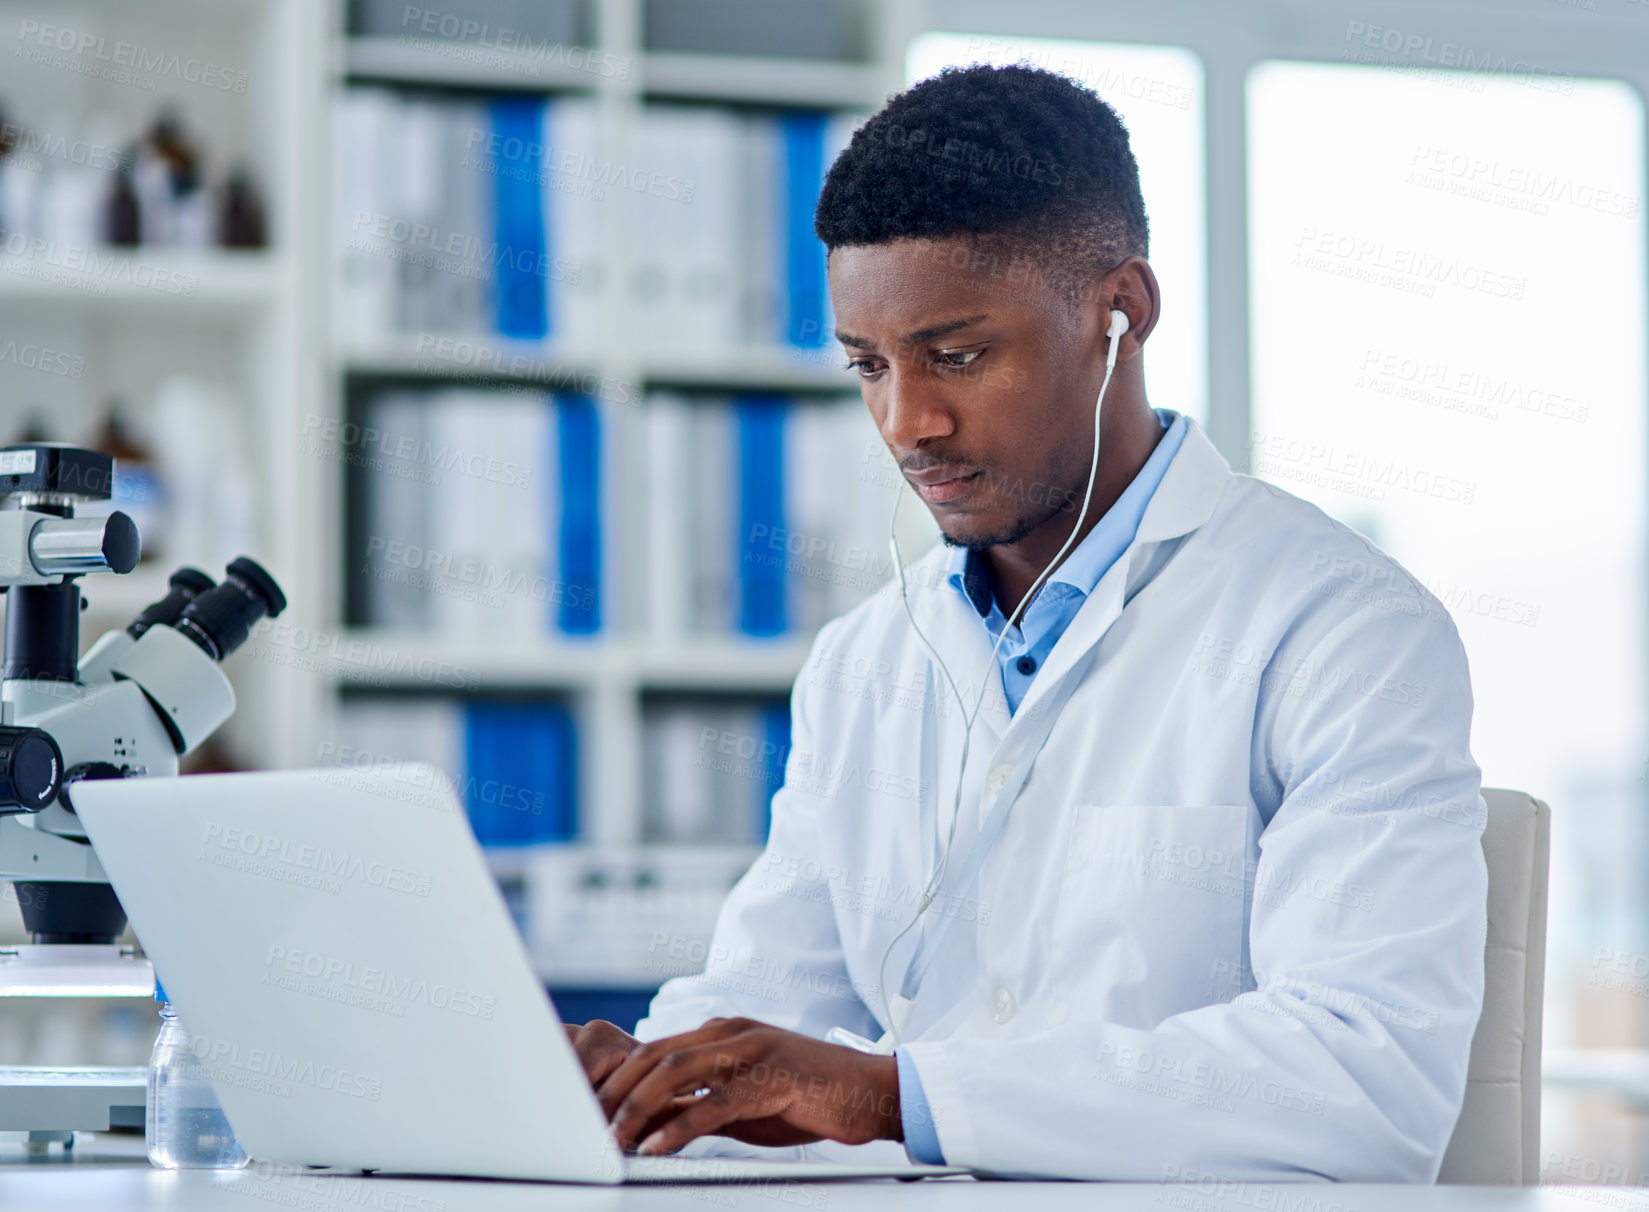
[
  {"x": 186, "y": 584},
  {"x": 220, "y": 619}
]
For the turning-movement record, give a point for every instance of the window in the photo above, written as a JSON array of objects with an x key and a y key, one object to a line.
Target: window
[{"x": 1447, "y": 288}]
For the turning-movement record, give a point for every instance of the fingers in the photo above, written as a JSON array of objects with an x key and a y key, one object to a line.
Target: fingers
[
  {"x": 601, "y": 1048},
  {"x": 689, "y": 1120},
  {"x": 647, "y": 1087},
  {"x": 639, "y": 1061}
]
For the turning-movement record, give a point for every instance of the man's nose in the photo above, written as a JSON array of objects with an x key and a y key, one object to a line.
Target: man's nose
[{"x": 913, "y": 410}]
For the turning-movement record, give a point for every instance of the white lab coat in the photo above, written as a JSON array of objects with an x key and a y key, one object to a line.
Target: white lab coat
[{"x": 1235, "y": 923}]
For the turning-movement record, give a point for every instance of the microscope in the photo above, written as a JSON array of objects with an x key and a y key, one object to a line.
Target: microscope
[{"x": 139, "y": 700}]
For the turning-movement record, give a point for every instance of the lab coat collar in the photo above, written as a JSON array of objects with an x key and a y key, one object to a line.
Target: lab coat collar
[{"x": 1185, "y": 499}]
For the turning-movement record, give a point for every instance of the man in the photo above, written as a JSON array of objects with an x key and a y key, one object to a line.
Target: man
[{"x": 1215, "y": 899}]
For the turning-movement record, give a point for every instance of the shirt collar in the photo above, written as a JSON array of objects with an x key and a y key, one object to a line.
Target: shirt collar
[{"x": 1080, "y": 571}]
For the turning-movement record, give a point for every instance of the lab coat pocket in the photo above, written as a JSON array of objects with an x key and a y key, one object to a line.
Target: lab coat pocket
[{"x": 1152, "y": 911}]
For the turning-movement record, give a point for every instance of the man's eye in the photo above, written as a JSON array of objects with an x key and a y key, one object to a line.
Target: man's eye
[
  {"x": 959, "y": 358},
  {"x": 864, "y": 366}
]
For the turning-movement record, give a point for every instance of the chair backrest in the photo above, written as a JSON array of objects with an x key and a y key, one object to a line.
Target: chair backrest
[{"x": 1497, "y": 1138}]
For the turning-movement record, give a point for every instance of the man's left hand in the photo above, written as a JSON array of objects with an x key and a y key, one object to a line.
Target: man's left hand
[{"x": 755, "y": 1083}]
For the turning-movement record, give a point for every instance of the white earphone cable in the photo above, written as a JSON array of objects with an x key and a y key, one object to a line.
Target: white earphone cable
[{"x": 1119, "y": 325}]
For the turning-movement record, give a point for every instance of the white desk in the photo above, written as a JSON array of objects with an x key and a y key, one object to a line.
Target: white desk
[{"x": 108, "y": 1173}]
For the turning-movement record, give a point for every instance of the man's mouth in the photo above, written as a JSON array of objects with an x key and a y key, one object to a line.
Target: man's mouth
[{"x": 940, "y": 485}]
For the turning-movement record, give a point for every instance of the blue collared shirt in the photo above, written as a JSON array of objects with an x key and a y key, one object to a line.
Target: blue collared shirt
[
  {"x": 1031, "y": 640},
  {"x": 1022, "y": 653}
]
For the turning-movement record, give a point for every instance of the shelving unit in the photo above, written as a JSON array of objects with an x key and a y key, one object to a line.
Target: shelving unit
[
  {"x": 131, "y": 316},
  {"x": 266, "y": 318},
  {"x": 606, "y": 679}
]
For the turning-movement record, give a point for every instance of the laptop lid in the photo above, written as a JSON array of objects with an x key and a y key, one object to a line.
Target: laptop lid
[{"x": 348, "y": 972}]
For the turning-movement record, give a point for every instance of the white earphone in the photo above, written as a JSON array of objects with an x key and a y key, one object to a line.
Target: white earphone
[{"x": 898, "y": 1009}]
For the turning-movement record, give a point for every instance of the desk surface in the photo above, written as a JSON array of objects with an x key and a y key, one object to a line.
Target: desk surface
[{"x": 108, "y": 1173}]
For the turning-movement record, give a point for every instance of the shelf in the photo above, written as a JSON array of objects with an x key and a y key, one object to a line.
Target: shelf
[
  {"x": 756, "y": 369},
  {"x": 748, "y": 79},
  {"x": 383, "y": 659},
  {"x": 721, "y": 664},
  {"x": 761, "y": 81},
  {"x": 486, "y": 359},
  {"x": 140, "y": 277},
  {"x": 467, "y": 357},
  {"x": 440, "y": 61}
]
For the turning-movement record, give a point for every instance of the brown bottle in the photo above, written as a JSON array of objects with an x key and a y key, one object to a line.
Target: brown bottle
[
  {"x": 241, "y": 222},
  {"x": 121, "y": 223}
]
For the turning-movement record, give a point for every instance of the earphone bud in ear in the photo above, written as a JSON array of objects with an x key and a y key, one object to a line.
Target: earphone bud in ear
[{"x": 1119, "y": 324}]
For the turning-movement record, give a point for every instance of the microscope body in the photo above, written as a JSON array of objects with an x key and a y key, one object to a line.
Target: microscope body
[{"x": 139, "y": 700}]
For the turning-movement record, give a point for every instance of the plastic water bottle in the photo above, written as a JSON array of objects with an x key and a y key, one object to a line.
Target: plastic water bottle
[{"x": 184, "y": 1126}]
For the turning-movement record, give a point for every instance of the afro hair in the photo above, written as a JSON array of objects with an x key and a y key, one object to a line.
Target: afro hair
[{"x": 1024, "y": 162}]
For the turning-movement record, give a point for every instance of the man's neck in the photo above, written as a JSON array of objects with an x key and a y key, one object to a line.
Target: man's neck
[{"x": 1126, "y": 444}]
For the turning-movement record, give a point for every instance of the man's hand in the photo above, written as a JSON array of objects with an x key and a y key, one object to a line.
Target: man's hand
[
  {"x": 755, "y": 1083},
  {"x": 601, "y": 1048}
]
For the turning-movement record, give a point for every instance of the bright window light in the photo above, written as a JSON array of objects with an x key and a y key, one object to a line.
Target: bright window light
[{"x": 1447, "y": 276}]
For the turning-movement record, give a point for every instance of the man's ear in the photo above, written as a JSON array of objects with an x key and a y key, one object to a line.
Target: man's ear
[{"x": 1136, "y": 293}]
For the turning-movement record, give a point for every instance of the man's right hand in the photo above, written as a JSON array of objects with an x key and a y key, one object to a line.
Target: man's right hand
[{"x": 601, "y": 1047}]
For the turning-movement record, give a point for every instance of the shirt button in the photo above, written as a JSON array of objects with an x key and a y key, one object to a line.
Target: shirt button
[
  {"x": 1027, "y": 665},
  {"x": 1002, "y": 1005},
  {"x": 999, "y": 778}
]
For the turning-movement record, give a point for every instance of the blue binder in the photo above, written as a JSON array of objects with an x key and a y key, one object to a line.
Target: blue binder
[
  {"x": 760, "y": 555},
  {"x": 522, "y": 284},
  {"x": 519, "y": 777},
  {"x": 776, "y": 748},
  {"x": 578, "y": 433},
  {"x": 804, "y": 255}
]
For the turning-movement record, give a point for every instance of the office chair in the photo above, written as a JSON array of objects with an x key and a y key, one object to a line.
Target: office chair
[{"x": 1497, "y": 1137}]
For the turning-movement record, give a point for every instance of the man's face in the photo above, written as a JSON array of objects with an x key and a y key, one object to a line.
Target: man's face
[{"x": 981, "y": 379}]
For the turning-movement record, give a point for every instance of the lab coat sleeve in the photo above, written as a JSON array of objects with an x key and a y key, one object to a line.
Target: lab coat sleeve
[
  {"x": 1347, "y": 1059},
  {"x": 776, "y": 955}
]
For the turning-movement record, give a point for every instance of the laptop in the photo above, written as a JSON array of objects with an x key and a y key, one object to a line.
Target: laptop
[{"x": 350, "y": 977}]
